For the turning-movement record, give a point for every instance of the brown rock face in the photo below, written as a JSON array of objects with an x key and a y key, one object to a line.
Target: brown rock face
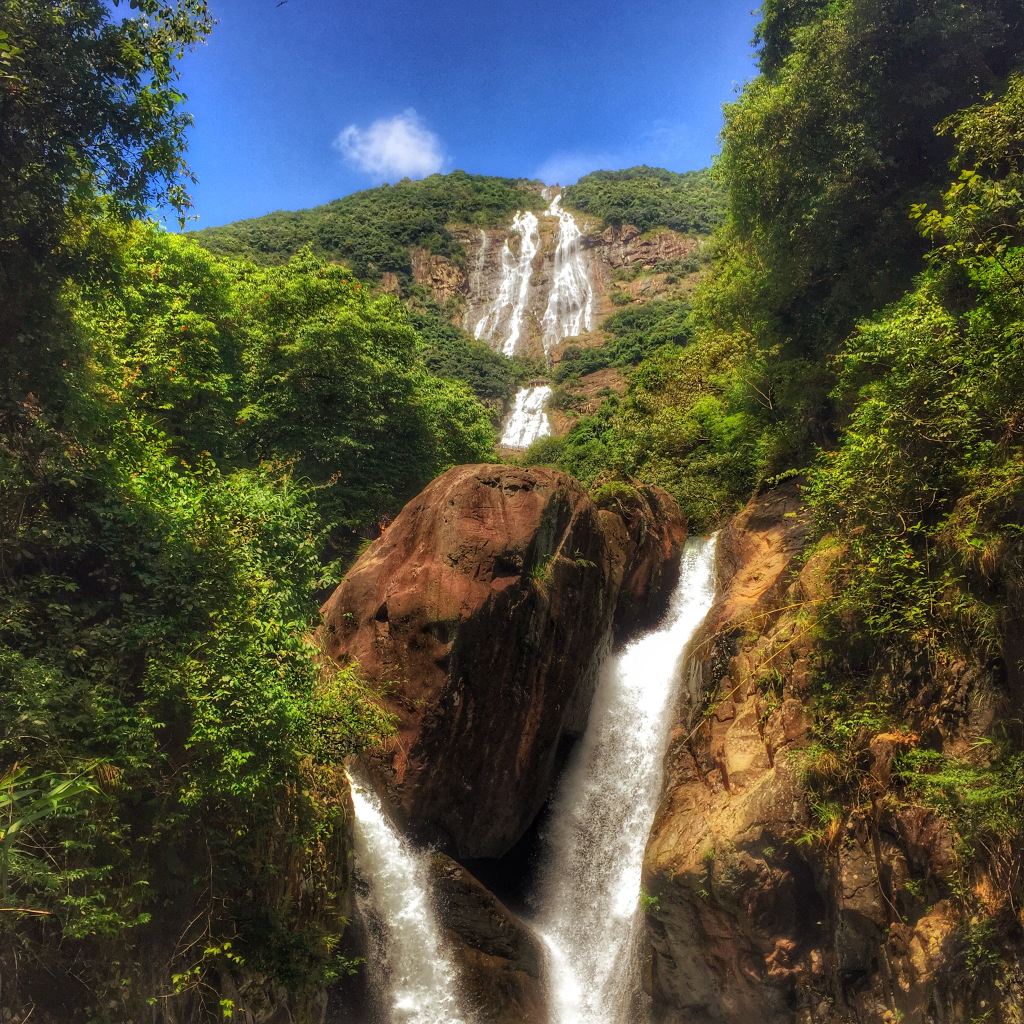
[
  {"x": 499, "y": 960},
  {"x": 769, "y": 911},
  {"x": 443, "y": 277},
  {"x": 485, "y": 605},
  {"x": 738, "y": 925}
]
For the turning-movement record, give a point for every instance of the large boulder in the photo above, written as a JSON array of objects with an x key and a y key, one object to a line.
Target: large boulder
[{"x": 481, "y": 611}]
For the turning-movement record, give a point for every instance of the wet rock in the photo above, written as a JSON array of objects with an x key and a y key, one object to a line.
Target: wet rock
[
  {"x": 499, "y": 959},
  {"x": 483, "y": 608}
]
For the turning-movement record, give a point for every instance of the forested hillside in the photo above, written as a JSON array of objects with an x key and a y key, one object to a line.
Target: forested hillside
[
  {"x": 373, "y": 231},
  {"x": 649, "y": 197},
  {"x": 186, "y": 443},
  {"x": 198, "y": 433}
]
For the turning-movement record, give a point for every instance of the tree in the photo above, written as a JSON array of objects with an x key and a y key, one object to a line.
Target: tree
[{"x": 89, "y": 107}]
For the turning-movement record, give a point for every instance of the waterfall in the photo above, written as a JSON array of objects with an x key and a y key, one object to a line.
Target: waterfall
[
  {"x": 528, "y": 419},
  {"x": 571, "y": 300},
  {"x": 589, "y": 888},
  {"x": 417, "y": 973},
  {"x": 509, "y": 307}
]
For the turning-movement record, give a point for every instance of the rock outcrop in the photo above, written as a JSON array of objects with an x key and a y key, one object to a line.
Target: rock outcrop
[
  {"x": 481, "y": 611},
  {"x": 737, "y": 905},
  {"x": 771, "y": 906},
  {"x": 499, "y": 959}
]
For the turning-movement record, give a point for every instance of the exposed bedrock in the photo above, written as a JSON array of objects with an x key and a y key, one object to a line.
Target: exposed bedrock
[
  {"x": 737, "y": 905},
  {"x": 499, "y": 959},
  {"x": 757, "y": 916},
  {"x": 484, "y": 607}
]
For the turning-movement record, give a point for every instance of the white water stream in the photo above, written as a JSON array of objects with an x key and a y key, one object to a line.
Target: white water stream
[
  {"x": 571, "y": 300},
  {"x": 509, "y": 306},
  {"x": 570, "y": 309},
  {"x": 528, "y": 419},
  {"x": 420, "y": 977},
  {"x": 589, "y": 890}
]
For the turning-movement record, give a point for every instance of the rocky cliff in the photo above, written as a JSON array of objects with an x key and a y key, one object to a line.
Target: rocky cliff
[
  {"x": 482, "y": 610},
  {"x": 626, "y": 265},
  {"x": 771, "y": 905}
]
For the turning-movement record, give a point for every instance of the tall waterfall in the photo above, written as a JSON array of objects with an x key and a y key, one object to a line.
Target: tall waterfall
[
  {"x": 506, "y": 313},
  {"x": 528, "y": 419},
  {"x": 571, "y": 300},
  {"x": 420, "y": 978},
  {"x": 589, "y": 890},
  {"x": 569, "y": 311}
]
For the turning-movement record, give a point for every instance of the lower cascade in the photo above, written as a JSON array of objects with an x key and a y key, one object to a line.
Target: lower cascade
[
  {"x": 528, "y": 419},
  {"x": 420, "y": 977},
  {"x": 589, "y": 888}
]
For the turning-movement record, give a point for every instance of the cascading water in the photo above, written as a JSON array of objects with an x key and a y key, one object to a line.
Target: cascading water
[
  {"x": 417, "y": 973},
  {"x": 506, "y": 313},
  {"x": 569, "y": 310},
  {"x": 589, "y": 890},
  {"x": 528, "y": 419},
  {"x": 571, "y": 301}
]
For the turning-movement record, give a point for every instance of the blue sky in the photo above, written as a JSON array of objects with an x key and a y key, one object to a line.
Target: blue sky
[{"x": 301, "y": 103}]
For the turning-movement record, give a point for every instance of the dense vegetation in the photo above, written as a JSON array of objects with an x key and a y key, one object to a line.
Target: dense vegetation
[
  {"x": 630, "y": 335},
  {"x": 862, "y": 325},
  {"x": 649, "y": 197},
  {"x": 448, "y": 351},
  {"x": 926, "y": 489},
  {"x": 183, "y": 439},
  {"x": 373, "y": 231},
  {"x": 824, "y": 155}
]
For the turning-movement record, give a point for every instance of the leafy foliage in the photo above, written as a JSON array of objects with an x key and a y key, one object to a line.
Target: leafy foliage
[
  {"x": 925, "y": 488},
  {"x": 650, "y": 197},
  {"x": 87, "y": 104},
  {"x": 373, "y": 231},
  {"x": 448, "y": 351},
  {"x": 631, "y": 334},
  {"x": 333, "y": 386},
  {"x": 164, "y": 512},
  {"x": 926, "y": 479}
]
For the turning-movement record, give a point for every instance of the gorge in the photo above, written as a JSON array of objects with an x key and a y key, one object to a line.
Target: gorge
[{"x": 479, "y": 601}]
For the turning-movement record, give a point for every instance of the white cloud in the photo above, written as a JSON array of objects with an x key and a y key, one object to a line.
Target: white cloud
[{"x": 392, "y": 147}]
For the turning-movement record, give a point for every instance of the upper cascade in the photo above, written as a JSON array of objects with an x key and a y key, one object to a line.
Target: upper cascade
[
  {"x": 503, "y": 323},
  {"x": 536, "y": 303},
  {"x": 528, "y": 419},
  {"x": 570, "y": 309}
]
